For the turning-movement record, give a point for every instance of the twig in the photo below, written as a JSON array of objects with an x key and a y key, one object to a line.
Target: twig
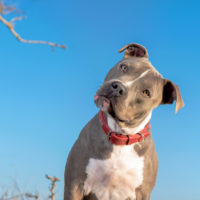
[
  {"x": 19, "y": 190},
  {"x": 10, "y": 26},
  {"x": 4, "y": 196},
  {"x": 28, "y": 195},
  {"x": 15, "y": 19},
  {"x": 34, "y": 196},
  {"x": 14, "y": 197},
  {"x": 2, "y": 8},
  {"x": 53, "y": 185}
]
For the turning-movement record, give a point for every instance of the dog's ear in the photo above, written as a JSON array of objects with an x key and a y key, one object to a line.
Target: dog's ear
[
  {"x": 172, "y": 93},
  {"x": 134, "y": 50}
]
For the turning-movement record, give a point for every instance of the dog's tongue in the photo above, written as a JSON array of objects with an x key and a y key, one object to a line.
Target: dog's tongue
[
  {"x": 96, "y": 97},
  {"x": 102, "y": 102}
]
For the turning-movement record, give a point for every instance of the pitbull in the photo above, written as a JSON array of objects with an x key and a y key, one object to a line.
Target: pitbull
[{"x": 114, "y": 157}]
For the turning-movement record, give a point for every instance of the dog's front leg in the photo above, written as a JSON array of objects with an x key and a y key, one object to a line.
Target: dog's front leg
[
  {"x": 73, "y": 192},
  {"x": 74, "y": 179},
  {"x": 142, "y": 195}
]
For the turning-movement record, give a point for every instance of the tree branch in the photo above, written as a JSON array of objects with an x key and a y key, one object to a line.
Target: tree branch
[{"x": 10, "y": 26}]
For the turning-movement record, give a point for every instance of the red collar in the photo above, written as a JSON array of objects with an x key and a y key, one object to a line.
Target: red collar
[{"x": 119, "y": 139}]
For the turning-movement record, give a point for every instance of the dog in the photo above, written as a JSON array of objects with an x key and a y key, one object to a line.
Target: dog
[{"x": 114, "y": 157}]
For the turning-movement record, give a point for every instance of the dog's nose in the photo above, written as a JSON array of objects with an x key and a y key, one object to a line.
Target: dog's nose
[{"x": 118, "y": 88}]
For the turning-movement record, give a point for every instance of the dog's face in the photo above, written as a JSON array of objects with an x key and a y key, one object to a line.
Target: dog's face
[{"x": 133, "y": 88}]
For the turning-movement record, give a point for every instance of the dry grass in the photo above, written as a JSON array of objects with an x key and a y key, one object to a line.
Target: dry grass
[{"x": 30, "y": 196}]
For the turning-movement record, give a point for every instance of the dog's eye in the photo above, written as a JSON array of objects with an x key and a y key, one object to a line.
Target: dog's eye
[
  {"x": 146, "y": 93},
  {"x": 123, "y": 67}
]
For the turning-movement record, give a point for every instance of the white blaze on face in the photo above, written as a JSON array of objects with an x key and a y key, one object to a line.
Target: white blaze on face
[{"x": 129, "y": 83}]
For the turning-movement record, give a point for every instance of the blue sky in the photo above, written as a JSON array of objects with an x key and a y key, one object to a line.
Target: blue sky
[{"x": 47, "y": 98}]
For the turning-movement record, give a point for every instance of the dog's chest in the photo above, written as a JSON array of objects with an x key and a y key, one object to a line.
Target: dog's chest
[{"x": 115, "y": 178}]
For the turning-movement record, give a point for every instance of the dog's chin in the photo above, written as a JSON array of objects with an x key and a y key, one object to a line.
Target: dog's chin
[
  {"x": 120, "y": 120},
  {"x": 107, "y": 105}
]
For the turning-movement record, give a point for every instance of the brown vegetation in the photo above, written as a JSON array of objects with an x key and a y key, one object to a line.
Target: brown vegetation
[{"x": 29, "y": 196}]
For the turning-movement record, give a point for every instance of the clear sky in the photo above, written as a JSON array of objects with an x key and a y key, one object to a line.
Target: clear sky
[{"x": 46, "y": 98}]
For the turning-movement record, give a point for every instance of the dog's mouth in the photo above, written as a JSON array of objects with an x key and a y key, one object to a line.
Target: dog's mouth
[
  {"x": 103, "y": 102},
  {"x": 106, "y": 104}
]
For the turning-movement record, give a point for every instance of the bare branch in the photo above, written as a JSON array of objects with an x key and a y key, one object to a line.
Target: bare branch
[
  {"x": 34, "y": 196},
  {"x": 16, "y": 186},
  {"x": 10, "y": 26},
  {"x": 4, "y": 196},
  {"x": 15, "y": 19},
  {"x": 2, "y": 8},
  {"x": 53, "y": 185},
  {"x": 14, "y": 197},
  {"x": 6, "y": 9}
]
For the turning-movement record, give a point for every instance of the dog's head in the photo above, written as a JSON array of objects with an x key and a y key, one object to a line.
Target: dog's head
[{"x": 133, "y": 88}]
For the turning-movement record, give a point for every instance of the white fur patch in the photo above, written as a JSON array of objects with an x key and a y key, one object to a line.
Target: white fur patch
[
  {"x": 128, "y": 83},
  {"x": 113, "y": 125},
  {"x": 115, "y": 178}
]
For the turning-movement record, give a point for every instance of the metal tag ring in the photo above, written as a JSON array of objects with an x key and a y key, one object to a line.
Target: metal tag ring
[
  {"x": 142, "y": 137},
  {"x": 109, "y": 133}
]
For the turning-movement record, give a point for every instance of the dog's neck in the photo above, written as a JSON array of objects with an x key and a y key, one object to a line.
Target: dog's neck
[{"x": 114, "y": 126}]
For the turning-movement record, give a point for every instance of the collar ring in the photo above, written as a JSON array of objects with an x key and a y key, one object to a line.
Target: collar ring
[
  {"x": 109, "y": 134},
  {"x": 143, "y": 138}
]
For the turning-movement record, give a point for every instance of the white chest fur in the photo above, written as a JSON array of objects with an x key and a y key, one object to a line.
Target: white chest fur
[{"x": 115, "y": 178}]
